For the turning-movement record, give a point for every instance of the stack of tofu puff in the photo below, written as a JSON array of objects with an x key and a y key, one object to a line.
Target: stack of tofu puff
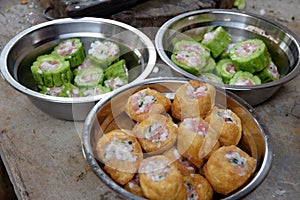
[{"x": 184, "y": 148}]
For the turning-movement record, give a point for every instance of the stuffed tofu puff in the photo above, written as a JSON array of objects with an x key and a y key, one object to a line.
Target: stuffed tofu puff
[
  {"x": 161, "y": 180},
  {"x": 228, "y": 168},
  {"x": 197, "y": 187},
  {"x": 156, "y": 134},
  {"x": 121, "y": 154},
  {"x": 184, "y": 165},
  {"x": 230, "y": 127},
  {"x": 191, "y": 138},
  {"x": 193, "y": 99},
  {"x": 145, "y": 102},
  {"x": 134, "y": 186}
]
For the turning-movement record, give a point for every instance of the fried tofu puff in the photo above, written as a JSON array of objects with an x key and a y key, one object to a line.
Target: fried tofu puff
[
  {"x": 156, "y": 134},
  {"x": 159, "y": 179},
  {"x": 185, "y": 166},
  {"x": 228, "y": 168},
  {"x": 197, "y": 187},
  {"x": 121, "y": 154},
  {"x": 231, "y": 128},
  {"x": 191, "y": 137},
  {"x": 193, "y": 99},
  {"x": 134, "y": 186},
  {"x": 145, "y": 102}
]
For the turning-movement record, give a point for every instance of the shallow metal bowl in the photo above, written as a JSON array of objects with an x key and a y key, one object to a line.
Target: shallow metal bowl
[
  {"x": 108, "y": 114},
  {"x": 282, "y": 44},
  {"x": 22, "y": 50}
]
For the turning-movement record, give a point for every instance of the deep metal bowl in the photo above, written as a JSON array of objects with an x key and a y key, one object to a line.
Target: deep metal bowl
[
  {"x": 282, "y": 44},
  {"x": 109, "y": 114},
  {"x": 22, "y": 50}
]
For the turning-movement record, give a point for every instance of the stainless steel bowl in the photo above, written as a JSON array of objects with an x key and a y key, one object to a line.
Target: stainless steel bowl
[
  {"x": 109, "y": 114},
  {"x": 283, "y": 44},
  {"x": 21, "y": 51}
]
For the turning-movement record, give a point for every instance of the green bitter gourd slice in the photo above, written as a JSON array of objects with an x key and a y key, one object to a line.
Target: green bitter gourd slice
[
  {"x": 72, "y": 50},
  {"x": 191, "y": 45},
  {"x": 116, "y": 75},
  {"x": 217, "y": 41},
  {"x": 70, "y": 90},
  {"x": 212, "y": 77},
  {"x": 225, "y": 69},
  {"x": 103, "y": 53},
  {"x": 87, "y": 63},
  {"x": 97, "y": 90},
  {"x": 89, "y": 77},
  {"x": 210, "y": 66},
  {"x": 191, "y": 62},
  {"x": 270, "y": 73},
  {"x": 51, "y": 70},
  {"x": 51, "y": 91},
  {"x": 250, "y": 55},
  {"x": 244, "y": 78}
]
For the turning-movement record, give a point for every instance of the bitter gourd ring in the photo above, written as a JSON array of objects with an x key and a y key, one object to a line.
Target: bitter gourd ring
[
  {"x": 103, "y": 53},
  {"x": 51, "y": 70},
  {"x": 72, "y": 50},
  {"x": 89, "y": 77},
  {"x": 250, "y": 55},
  {"x": 190, "y": 45},
  {"x": 190, "y": 61},
  {"x": 225, "y": 69},
  {"x": 244, "y": 78},
  {"x": 217, "y": 40}
]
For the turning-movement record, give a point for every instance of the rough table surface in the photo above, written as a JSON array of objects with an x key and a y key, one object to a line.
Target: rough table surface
[{"x": 43, "y": 155}]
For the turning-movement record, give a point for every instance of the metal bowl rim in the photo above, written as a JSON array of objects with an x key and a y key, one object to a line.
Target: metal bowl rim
[
  {"x": 67, "y": 100},
  {"x": 254, "y": 183}
]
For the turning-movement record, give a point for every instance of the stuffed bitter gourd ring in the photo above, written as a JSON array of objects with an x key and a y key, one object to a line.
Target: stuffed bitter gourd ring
[
  {"x": 217, "y": 40},
  {"x": 190, "y": 45},
  {"x": 103, "y": 53},
  {"x": 117, "y": 69},
  {"x": 225, "y": 69},
  {"x": 116, "y": 75},
  {"x": 51, "y": 70},
  {"x": 250, "y": 55},
  {"x": 244, "y": 78},
  {"x": 69, "y": 90},
  {"x": 190, "y": 61},
  {"x": 210, "y": 66},
  {"x": 212, "y": 77},
  {"x": 72, "y": 50},
  {"x": 97, "y": 90},
  {"x": 51, "y": 91},
  {"x": 270, "y": 73},
  {"x": 89, "y": 77}
]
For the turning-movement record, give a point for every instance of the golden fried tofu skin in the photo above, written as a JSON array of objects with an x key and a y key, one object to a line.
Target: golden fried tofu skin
[
  {"x": 146, "y": 102},
  {"x": 121, "y": 154},
  {"x": 161, "y": 180},
  {"x": 156, "y": 134},
  {"x": 191, "y": 138},
  {"x": 185, "y": 166},
  {"x": 134, "y": 186},
  {"x": 197, "y": 187},
  {"x": 230, "y": 128},
  {"x": 193, "y": 99},
  {"x": 228, "y": 168}
]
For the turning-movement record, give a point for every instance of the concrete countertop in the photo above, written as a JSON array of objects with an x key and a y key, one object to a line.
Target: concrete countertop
[{"x": 43, "y": 155}]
